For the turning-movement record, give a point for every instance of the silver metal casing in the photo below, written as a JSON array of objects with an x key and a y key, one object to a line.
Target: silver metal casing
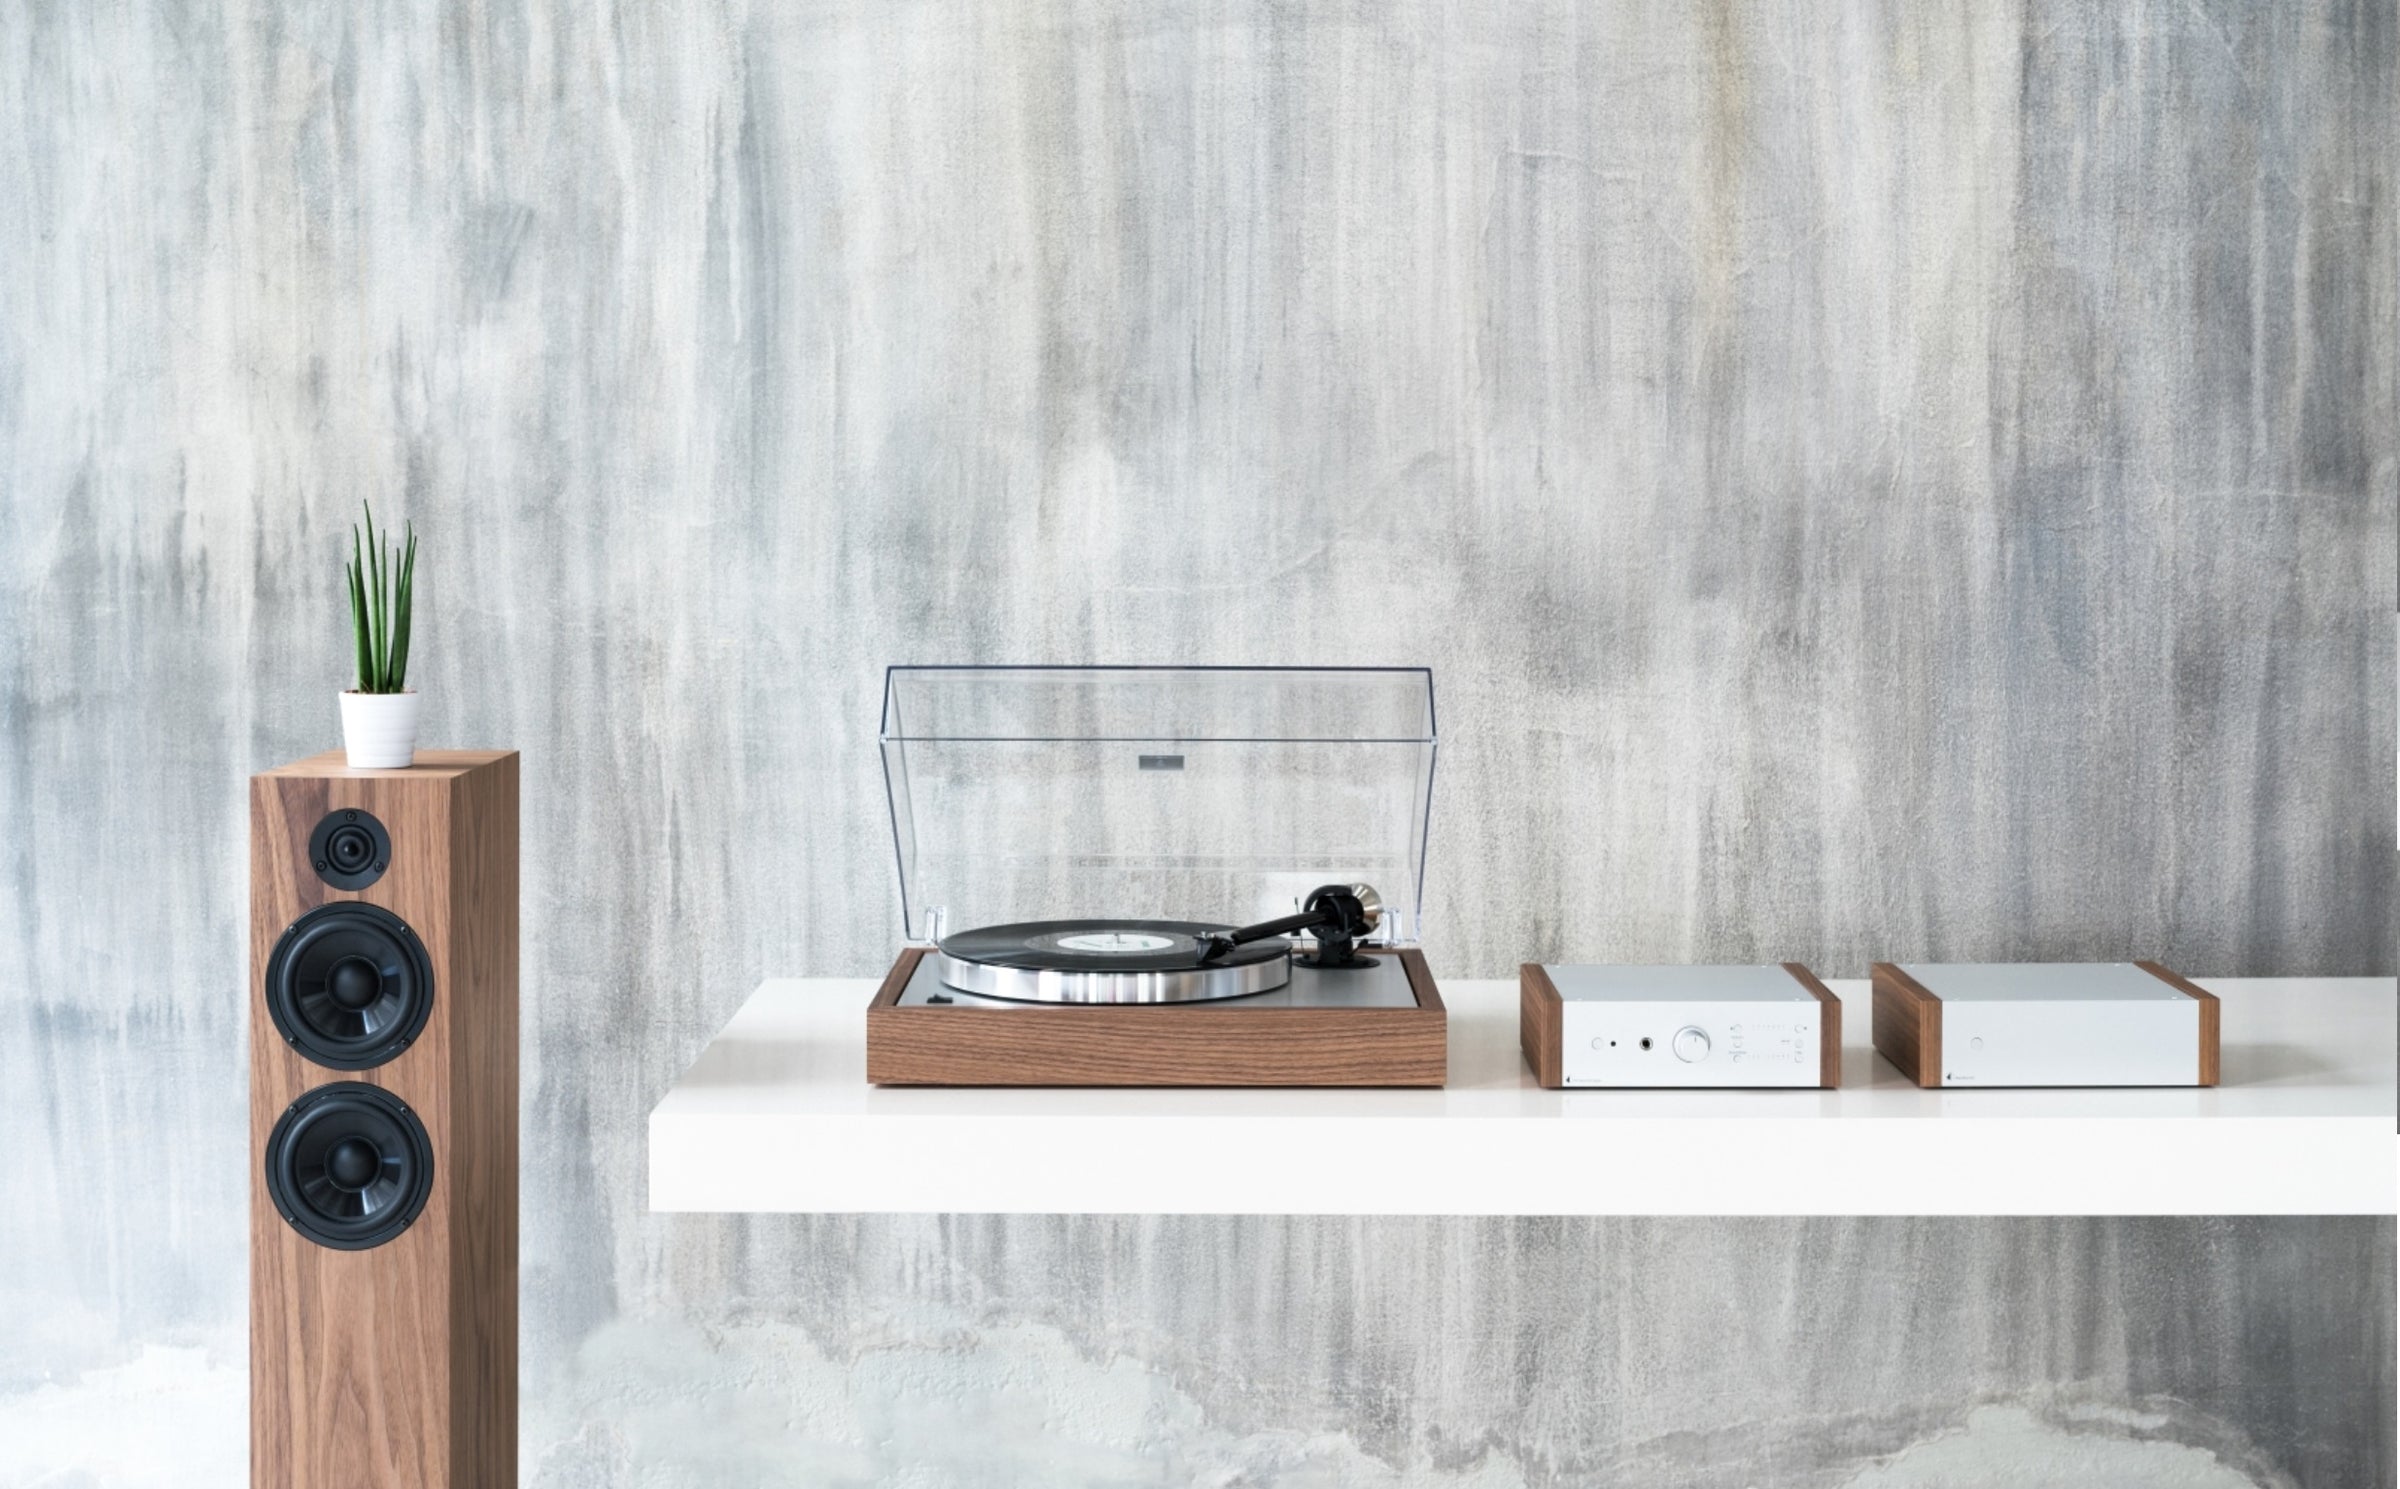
[{"x": 1687, "y": 1027}]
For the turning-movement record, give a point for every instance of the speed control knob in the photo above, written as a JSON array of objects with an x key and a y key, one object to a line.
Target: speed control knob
[{"x": 1691, "y": 1045}]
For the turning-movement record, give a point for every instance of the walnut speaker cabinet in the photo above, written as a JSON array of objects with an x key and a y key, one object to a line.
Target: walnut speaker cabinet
[{"x": 383, "y": 1120}]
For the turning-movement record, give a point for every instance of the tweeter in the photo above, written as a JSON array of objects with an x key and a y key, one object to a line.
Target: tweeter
[{"x": 350, "y": 849}]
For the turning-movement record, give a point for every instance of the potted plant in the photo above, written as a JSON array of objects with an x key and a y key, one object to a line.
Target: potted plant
[{"x": 379, "y": 716}]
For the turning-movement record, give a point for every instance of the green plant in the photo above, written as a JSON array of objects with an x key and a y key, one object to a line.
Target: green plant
[{"x": 380, "y": 606}]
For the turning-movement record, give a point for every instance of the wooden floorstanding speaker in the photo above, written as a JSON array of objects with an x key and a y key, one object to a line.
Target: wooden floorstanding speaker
[{"x": 383, "y": 1120}]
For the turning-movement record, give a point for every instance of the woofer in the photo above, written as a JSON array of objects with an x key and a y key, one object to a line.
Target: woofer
[
  {"x": 349, "y": 1166},
  {"x": 349, "y": 849},
  {"x": 349, "y": 985}
]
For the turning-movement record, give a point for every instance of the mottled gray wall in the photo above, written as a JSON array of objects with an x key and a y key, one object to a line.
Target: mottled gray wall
[{"x": 1870, "y": 480}]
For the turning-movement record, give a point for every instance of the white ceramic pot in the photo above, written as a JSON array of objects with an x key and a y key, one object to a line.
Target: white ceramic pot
[{"x": 379, "y": 730}]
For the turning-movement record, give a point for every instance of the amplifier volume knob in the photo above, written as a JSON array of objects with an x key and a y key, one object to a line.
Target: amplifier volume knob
[{"x": 1691, "y": 1045}]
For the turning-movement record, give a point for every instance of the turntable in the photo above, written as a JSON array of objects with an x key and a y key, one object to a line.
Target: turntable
[{"x": 1061, "y": 829}]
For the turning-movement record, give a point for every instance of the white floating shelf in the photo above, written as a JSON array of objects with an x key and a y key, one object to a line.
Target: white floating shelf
[{"x": 776, "y": 1116}]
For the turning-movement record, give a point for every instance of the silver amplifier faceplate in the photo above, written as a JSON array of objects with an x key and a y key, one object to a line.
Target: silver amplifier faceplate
[{"x": 1687, "y": 1027}]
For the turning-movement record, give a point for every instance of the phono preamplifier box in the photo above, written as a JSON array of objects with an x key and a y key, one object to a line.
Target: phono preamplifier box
[{"x": 2045, "y": 1024}]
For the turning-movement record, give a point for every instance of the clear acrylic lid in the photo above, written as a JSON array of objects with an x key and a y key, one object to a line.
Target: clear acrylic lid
[{"x": 1220, "y": 794}]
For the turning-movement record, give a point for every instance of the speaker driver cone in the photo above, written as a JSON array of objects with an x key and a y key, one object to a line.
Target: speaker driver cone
[
  {"x": 349, "y": 848},
  {"x": 349, "y": 1165},
  {"x": 349, "y": 985}
]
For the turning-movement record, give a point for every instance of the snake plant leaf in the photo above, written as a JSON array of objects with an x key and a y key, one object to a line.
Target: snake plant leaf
[
  {"x": 402, "y": 607},
  {"x": 383, "y": 588},
  {"x": 381, "y": 607},
  {"x": 358, "y": 614}
]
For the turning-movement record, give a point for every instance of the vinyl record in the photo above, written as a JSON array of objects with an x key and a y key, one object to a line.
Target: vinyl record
[{"x": 1108, "y": 961}]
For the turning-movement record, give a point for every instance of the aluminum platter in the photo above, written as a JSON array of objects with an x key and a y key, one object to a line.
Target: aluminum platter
[{"x": 1108, "y": 961}]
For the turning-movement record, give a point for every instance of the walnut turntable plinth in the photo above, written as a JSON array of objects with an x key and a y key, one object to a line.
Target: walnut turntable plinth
[{"x": 1386, "y": 1027}]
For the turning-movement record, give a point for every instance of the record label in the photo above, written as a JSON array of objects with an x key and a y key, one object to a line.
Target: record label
[{"x": 1114, "y": 942}]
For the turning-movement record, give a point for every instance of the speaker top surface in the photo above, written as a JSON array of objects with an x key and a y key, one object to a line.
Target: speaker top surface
[{"x": 431, "y": 764}]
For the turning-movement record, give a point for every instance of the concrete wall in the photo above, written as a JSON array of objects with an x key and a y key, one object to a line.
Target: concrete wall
[{"x": 1870, "y": 482}]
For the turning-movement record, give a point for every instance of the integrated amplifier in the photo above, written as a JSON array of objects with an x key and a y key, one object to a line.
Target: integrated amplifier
[
  {"x": 2045, "y": 1024},
  {"x": 1764, "y": 1026}
]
